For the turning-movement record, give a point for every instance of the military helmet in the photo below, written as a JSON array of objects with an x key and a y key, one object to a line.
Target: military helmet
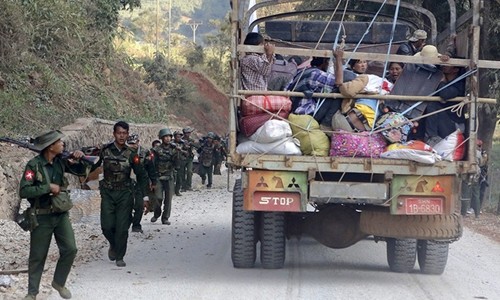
[
  {"x": 188, "y": 130},
  {"x": 133, "y": 138},
  {"x": 178, "y": 132},
  {"x": 211, "y": 135},
  {"x": 163, "y": 132}
]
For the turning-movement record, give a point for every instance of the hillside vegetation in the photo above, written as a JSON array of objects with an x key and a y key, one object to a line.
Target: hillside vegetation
[{"x": 58, "y": 62}]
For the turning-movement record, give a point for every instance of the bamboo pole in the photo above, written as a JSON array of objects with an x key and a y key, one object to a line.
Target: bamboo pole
[
  {"x": 362, "y": 96},
  {"x": 482, "y": 64}
]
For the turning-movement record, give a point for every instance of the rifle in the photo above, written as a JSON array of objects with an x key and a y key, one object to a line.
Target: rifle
[{"x": 64, "y": 155}]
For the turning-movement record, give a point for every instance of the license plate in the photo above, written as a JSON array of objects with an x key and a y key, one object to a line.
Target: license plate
[
  {"x": 276, "y": 201},
  {"x": 424, "y": 206}
]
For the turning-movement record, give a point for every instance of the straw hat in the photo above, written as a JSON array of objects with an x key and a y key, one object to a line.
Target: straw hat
[
  {"x": 418, "y": 35},
  {"x": 46, "y": 139},
  {"x": 429, "y": 51}
]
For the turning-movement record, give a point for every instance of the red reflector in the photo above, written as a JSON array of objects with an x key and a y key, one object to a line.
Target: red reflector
[{"x": 437, "y": 188}]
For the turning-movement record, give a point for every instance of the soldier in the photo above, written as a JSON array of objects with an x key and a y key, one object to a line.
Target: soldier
[
  {"x": 139, "y": 196},
  {"x": 44, "y": 179},
  {"x": 219, "y": 154},
  {"x": 166, "y": 157},
  {"x": 206, "y": 158},
  {"x": 181, "y": 167},
  {"x": 190, "y": 145},
  {"x": 117, "y": 197}
]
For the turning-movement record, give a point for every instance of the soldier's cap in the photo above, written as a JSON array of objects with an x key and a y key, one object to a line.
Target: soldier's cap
[
  {"x": 133, "y": 138},
  {"x": 163, "y": 132},
  {"x": 188, "y": 130},
  {"x": 211, "y": 135},
  {"x": 418, "y": 35},
  {"x": 178, "y": 132},
  {"x": 46, "y": 139}
]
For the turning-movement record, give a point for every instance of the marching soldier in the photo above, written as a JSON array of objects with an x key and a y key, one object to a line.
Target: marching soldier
[
  {"x": 166, "y": 158},
  {"x": 117, "y": 197},
  {"x": 219, "y": 154},
  {"x": 139, "y": 196},
  {"x": 190, "y": 145},
  {"x": 181, "y": 167},
  {"x": 43, "y": 180},
  {"x": 206, "y": 158}
]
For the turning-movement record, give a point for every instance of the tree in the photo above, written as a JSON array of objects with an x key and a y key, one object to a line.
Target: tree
[{"x": 195, "y": 56}]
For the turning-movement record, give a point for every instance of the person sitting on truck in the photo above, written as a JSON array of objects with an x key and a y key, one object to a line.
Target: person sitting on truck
[
  {"x": 414, "y": 44},
  {"x": 315, "y": 79},
  {"x": 395, "y": 69},
  {"x": 439, "y": 125},
  {"x": 256, "y": 67},
  {"x": 358, "y": 66}
]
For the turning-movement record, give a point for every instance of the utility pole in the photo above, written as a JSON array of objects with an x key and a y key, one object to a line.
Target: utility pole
[
  {"x": 194, "y": 25},
  {"x": 157, "y": 23},
  {"x": 169, "y": 28}
]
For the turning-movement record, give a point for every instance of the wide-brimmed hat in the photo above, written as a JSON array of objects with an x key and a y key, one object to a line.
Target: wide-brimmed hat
[
  {"x": 46, "y": 139},
  {"x": 418, "y": 35},
  {"x": 429, "y": 51}
]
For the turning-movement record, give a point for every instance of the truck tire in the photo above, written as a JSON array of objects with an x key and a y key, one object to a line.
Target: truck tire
[
  {"x": 425, "y": 227},
  {"x": 432, "y": 256},
  {"x": 401, "y": 254},
  {"x": 272, "y": 240},
  {"x": 242, "y": 231}
]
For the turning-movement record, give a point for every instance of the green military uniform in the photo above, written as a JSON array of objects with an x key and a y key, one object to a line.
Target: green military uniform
[
  {"x": 206, "y": 159},
  {"x": 35, "y": 186},
  {"x": 147, "y": 162},
  {"x": 181, "y": 165},
  {"x": 117, "y": 198},
  {"x": 189, "y": 146},
  {"x": 166, "y": 157},
  {"x": 219, "y": 155}
]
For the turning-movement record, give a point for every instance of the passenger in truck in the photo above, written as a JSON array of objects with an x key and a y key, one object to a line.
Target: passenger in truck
[
  {"x": 316, "y": 79},
  {"x": 395, "y": 69},
  {"x": 256, "y": 67},
  {"x": 414, "y": 44}
]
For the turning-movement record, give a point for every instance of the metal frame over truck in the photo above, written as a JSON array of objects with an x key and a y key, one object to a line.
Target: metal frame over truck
[{"x": 351, "y": 197}]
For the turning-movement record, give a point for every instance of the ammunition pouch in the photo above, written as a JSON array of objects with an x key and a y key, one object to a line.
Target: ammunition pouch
[
  {"x": 61, "y": 202},
  {"x": 27, "y": 220}
]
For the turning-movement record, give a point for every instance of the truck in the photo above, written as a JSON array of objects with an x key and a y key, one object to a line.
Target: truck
[{"x": 413, "y": 207}]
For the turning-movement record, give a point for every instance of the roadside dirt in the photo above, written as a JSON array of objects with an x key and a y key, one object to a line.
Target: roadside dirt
[{"x": 488, "y": 224}]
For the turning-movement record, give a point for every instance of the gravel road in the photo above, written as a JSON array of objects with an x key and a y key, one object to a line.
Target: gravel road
[{"x": 190, "y": 259}]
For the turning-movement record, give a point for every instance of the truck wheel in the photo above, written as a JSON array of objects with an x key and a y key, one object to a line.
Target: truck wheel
[
  {"x": 242, "y": 231},
  {"x": 432, "y": 256},
  {"x": 426, "y": 227},
  {"x": 401, "y": 254},
  {"x": 272, "y": 240}
]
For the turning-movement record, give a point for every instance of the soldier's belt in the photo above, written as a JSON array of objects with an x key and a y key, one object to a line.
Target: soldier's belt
[
  {"x": 115, "y": 185},
  {"x": 44, "y": 211}
]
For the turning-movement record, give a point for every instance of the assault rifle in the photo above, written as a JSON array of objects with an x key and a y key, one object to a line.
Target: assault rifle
[{"x": 88, "y": 151}]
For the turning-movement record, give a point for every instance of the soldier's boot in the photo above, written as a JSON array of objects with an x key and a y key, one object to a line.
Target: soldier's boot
[
  {"x": 164, "y": 220},
  {"x": 63, "y": 291},
  {"x": 120, "y": 263},
  {"x": 29, "y": 297},
  {"x": 111, "y": 254},
  {"x": 154, "y": 219}
]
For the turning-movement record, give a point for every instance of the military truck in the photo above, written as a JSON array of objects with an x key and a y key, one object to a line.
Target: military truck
[{"x": 412, "y": 207}]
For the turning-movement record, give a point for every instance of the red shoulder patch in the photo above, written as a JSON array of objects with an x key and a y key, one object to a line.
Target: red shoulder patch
[
  {"x": 151, "y": 155},
  {"x": 136, "y": 159},
  {"x": 29, "y": 175}
]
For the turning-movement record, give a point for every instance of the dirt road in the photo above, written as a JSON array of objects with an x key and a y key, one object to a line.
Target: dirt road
[{"x": 191, "y": 260}]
